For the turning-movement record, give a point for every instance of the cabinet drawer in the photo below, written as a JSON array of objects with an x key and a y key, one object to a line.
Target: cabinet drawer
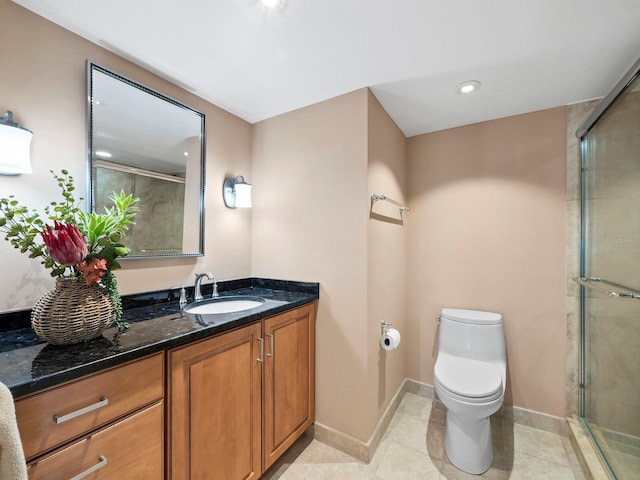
[
  {"x": 131, "y": 448},
  {"x": 48, "y": 419}
]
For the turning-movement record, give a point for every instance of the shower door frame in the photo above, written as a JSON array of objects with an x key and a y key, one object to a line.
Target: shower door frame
[
  {"x": 610, "y": 100},
  {"x": 582, "y": 414}
]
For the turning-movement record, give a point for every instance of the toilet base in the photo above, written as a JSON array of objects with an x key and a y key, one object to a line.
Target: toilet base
[{"x": 468, "y": 443}]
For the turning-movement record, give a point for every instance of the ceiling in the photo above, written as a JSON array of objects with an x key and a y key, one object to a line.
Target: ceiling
[{"x": 255, "y": 63}]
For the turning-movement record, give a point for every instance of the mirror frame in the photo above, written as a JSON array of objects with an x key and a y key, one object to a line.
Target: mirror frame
[{"x": 91, "y": 67}]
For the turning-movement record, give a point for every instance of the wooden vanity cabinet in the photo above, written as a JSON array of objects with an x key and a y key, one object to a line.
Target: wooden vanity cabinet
[
  {"x": 131, "y": 448},
  {"x": 234, "y": 403},
  {"x": 215, "y": 398},
  {"x": 237, "y": 401},
  {"x": 289, "y": 380},
  {"x": 110, "y": 423}
]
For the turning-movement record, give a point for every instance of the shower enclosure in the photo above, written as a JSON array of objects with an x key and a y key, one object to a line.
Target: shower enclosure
[{"x": 610, "y": 277}]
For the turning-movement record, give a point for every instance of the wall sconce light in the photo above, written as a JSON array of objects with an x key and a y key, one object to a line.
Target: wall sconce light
[
  {"x": 15, "y": 143},
  {"x": 236, "y": 192}
]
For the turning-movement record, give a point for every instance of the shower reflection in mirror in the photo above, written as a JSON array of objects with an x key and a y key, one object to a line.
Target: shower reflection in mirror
[{"x": 152, "y": 147}]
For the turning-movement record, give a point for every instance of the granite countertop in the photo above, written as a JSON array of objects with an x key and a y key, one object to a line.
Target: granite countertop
[{"x": 27, "y": 364}]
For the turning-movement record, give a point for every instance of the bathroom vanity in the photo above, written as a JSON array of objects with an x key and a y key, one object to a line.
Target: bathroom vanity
[
  {"x": 178, "y": 396},
  {"x": 110, "y": 421},
  {"x": 253, "y": 386}
]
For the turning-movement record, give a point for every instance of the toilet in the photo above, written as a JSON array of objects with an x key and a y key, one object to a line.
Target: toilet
[{"x": 470, "y": 379}]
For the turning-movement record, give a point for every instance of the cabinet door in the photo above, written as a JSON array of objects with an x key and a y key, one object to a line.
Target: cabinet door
[
  {"x": 289, "y": 407},
  {"x": 215, "y": 396}
]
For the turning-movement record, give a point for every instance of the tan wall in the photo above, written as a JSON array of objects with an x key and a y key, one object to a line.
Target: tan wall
[
  {"x": 310, "y": 223},
  {"x": 386, "y": 257},
  {"x": 314, "y": 171},
  {"x": 488, "y": 232},
  {"x": 43, "y": 83}
]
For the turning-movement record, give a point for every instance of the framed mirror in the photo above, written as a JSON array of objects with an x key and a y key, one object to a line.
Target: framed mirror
[{"x": 153, "y": 147}]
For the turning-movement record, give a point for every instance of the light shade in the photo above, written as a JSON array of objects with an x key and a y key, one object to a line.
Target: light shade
[
  {"x": 243, "y": 195},
  {"x": 236, "y": 193},
  {"x": 15, "y": 144}
]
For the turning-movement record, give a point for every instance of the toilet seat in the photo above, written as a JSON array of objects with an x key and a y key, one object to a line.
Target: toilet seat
[
  {"x": 476, "y": 317},
  {"x": 472, "y": 381}
]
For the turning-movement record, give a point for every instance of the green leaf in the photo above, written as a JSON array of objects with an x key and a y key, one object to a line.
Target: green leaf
[
  {"x": 102, "y": 232},
  {"x": 56, "y": 272}
]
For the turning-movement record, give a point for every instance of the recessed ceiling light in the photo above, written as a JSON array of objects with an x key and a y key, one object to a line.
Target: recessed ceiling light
[
  {"x": 271, "y": 3},
  {"x": 467, "y": 87},
  {"x": 274, "y": 5},
  {"x": 103, "y": 154}
]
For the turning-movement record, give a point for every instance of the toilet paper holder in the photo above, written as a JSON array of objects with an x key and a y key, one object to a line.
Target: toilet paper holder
[
  {"x": 384, "y": 326},
  {"x": 390, "y": 337}
]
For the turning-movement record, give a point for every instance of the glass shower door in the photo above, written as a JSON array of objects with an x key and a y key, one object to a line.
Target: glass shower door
[{"x": 610, "y": 314}]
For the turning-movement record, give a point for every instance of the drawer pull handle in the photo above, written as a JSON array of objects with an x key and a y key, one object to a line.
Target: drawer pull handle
[
  {"x": 102, "y": 462},
  {"x": 63, "y": 418},
  {"x": 261, "y": 358},
  {"x": 270, "y": 354}
]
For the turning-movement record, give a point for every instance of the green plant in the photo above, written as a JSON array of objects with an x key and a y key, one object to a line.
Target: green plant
[{"x": 79, "y": 243}]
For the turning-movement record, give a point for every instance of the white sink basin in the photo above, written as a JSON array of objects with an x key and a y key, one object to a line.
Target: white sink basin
[{"x": 223, "y": 305}]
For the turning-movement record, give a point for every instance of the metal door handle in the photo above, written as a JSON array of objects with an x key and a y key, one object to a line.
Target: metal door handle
[
  {"x": 271, "y": 350},
  {"x": 261, "y": 359}
]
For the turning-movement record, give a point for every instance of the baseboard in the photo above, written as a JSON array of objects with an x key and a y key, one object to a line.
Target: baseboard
[
  {"x": 510, "y": 413},
  {"x": 342, "y": 441},
  {"x": 419, "y": 388},
  {"x": 538, "y": 420},
  {"x": 364, "y": 451}
]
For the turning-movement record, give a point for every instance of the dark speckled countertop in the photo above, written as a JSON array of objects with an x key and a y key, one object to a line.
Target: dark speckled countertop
[{"x": 28, "y": 365}]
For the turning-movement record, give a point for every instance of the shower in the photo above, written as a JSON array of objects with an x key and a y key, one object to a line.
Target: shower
[{"x": 610, "y": 277}]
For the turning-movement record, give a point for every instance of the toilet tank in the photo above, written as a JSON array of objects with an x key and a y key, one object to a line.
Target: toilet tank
[{"x": 472, "y": 334}]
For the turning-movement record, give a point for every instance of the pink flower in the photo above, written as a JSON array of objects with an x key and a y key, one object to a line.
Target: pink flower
[
  {"x": 93, "y": 270},
  {"x": 65, "y": 243}
]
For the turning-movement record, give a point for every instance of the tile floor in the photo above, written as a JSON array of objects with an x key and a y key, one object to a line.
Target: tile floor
[{"x": 413, "y": 448}]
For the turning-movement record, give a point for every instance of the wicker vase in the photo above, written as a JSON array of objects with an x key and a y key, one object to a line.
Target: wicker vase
[{"x": 73, "y": 312}]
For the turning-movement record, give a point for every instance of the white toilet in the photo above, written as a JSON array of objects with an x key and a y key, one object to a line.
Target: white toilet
[{"x": 470, "y": 379}]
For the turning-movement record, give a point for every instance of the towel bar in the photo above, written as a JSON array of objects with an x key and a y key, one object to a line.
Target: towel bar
[
  {"x": 600, "y": 285},
  {"x": 375, "y": 197}
]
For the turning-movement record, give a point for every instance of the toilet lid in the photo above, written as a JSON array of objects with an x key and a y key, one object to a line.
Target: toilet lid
[
  {"x": 466, "y": 377},
  {"x": 476, "y": 317}
]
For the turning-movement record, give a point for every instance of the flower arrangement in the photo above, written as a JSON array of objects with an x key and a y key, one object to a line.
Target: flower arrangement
[{"x": 77, "y": 243}]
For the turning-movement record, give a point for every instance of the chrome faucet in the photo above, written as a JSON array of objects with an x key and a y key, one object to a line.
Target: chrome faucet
[{"x": 199, "y": 277}]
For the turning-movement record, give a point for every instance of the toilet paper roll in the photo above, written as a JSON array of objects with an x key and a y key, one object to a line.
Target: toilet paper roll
[{"x": 390, "y": 339}]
